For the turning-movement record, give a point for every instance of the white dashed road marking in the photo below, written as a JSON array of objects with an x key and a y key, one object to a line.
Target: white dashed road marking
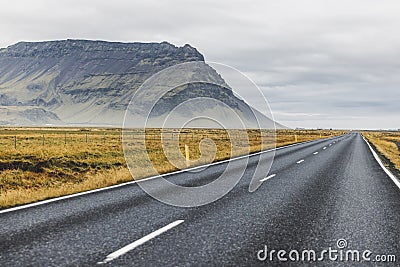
[
  {"x": 268, "y": 177},
  {"x": 139, "y": 242}
]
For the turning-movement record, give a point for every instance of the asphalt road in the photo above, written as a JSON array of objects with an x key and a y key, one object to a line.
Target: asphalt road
[{"x": 314, "y": 200}]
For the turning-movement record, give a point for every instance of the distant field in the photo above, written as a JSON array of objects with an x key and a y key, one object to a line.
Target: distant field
[
  {"x": 388, "y": 146},
  {"x": 40, "y": 163}
]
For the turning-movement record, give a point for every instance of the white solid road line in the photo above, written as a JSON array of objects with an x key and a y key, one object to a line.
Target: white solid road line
[
  {"x": 300, "y": 161},
  {"x": 269, "y": 177},
  {"x": 315, "y": 153},
  {"x": 324, "y": 147},
  {"x": 139, "y": 242},
  {"x": 394, "y": 179},
  {"x": 42, "y": 202}
]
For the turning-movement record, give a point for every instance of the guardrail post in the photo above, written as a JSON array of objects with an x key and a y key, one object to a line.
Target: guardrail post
[{"x": 187, "y": 155}]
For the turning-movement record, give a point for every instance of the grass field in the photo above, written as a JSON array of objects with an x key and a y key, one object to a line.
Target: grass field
[
  {"x": 40, "y": 163},
  {"x": 388, "y": 146}
]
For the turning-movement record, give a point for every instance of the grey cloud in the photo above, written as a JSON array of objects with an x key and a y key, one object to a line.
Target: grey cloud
[{"x": 319, "y": 63}]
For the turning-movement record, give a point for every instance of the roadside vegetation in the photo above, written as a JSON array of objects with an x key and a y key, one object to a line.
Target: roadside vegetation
[
  {"x": 387, "y": 145},
  {"x": 41, "y": 163}
]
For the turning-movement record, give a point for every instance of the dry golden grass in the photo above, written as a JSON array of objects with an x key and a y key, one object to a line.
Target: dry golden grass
[
  {"x": 387, "y": 144},
  {"x": 41, "y": 163},
  {"x": 96, "y": 180}
]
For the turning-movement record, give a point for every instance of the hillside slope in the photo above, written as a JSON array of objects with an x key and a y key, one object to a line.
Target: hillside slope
[{"x": 81, "y": 82}]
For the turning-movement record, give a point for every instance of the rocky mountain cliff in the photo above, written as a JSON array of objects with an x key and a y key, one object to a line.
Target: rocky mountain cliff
[{"x": 72, "y": 82}]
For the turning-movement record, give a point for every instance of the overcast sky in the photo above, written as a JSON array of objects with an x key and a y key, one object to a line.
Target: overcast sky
[{"x": 320, "y": 63}]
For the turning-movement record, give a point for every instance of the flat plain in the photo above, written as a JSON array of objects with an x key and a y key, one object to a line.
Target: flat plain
[
  {"x": 41, "y": 163},
  {"x": 387, "y": 144}
]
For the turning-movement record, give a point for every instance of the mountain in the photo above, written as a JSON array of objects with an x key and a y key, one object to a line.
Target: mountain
[{"x": 82, "y": 82}]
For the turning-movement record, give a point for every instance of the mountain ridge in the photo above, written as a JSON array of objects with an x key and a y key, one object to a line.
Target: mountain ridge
[{"x": 87, "y": 82}]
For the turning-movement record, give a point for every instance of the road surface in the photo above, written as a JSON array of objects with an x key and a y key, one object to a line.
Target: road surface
[{"x": 315, "y": 194}]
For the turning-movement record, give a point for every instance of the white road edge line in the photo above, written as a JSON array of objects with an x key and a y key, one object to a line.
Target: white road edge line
[
  {"x": 268, "y": 177},
  {"x": 139, "y": 242},
  {"x": 42, "y": 202},
  {"x": 300, "y": 161},
  {"x": 315, "y": 153},
  {"x": 394, "y": 178}
]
